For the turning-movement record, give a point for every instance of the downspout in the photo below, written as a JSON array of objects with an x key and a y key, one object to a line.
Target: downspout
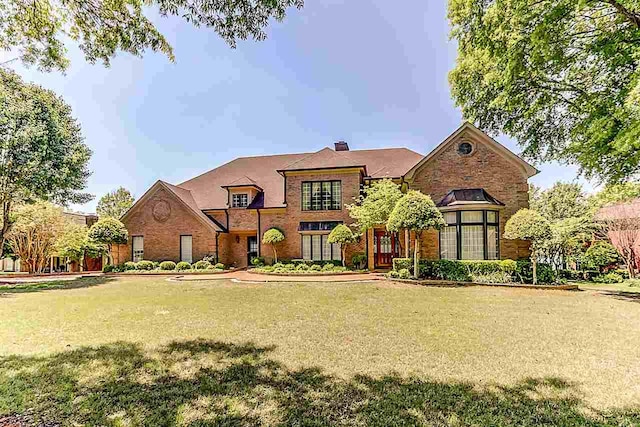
[{"x": 226, "y": 212}]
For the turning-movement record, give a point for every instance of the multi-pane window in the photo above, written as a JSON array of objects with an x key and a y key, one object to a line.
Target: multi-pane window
[
  {"x": 321, "y": 195},
  {"x": 316, "y": 247},
  {"x": 470, "y": 235},
  {"x": 239, "y": 200},
  {"x": 137, "y": 248}
]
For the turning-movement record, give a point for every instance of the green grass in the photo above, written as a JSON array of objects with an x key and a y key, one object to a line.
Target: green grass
[
  {"x": 621, "y": 287},
  {"x": 144, "y": 351}
]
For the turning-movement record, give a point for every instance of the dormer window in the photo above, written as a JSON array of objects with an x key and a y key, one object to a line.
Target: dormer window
[{"x": 239, "y": 200}]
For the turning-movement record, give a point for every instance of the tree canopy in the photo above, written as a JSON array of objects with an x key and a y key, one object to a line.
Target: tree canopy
[
  {"x": 527, "y": 224},
  {"x": 272, "y": 237},
  {"x": 375, "y": 205},
  {"x": 34, "y": 235},
  {"x": 109, "y": 231},
  {"x": 37, "y": 31},
  {"x": 560, "y": 76},
  {"x": 415, "y": 212},
  {"x": 74, "y": 242},
  {"x": 43, "y": 154},
  {"x": 115, "y": 203},
  {"x": 342, "y": 235},
  {"x": 562, "y": 201},
  {"x": 617, "y": 193}
]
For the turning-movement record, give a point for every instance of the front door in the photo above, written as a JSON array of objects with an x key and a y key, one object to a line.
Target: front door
[
  {"x": 252, "y": 248},
  {"x": 385, "y": 248}
]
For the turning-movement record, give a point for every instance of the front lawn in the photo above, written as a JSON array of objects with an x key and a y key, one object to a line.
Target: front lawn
[{"x": 145, "y": 351}]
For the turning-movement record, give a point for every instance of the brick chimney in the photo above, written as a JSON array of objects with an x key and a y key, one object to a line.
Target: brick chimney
[{"x": 342, "y": 146}]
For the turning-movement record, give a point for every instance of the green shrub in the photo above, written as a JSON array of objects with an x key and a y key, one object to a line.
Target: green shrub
[
  {"x": 302, "y": 267},
  {"x": 393, "y": 274},
  {"x": 144, "y": 265},
  {"x": 129, "y": 265},
  {"x": 624, "y": 273},
  {"x": 211, "y": 258},
  {"x": 328, "y": 267},
  {"x": 167, "y": 265},
  {"x": 524, "y": 272},
  {"x": 278, "y": 265},
  {"x": 445, "y": 269},
  {"x": 340, "y": 269},
  {"x": 202, "y": 265},
  {"x": 183, "y": 265},
  {"x": 219, "y": 266},
  {"x": 400, "y": 263},
  {"x": 108, "y": 268},
  {"x": 404, "y": 273},
  {"x": 599, "y": 255},
  {"x": 359, "y": 260},
  {"x": 315, "y": 267},
  {"x": 289, "y": 267},
  {"x": 609, "y": 278},
  {"x": 570, "y": 274},
  {"x": 257, "y": 261}
]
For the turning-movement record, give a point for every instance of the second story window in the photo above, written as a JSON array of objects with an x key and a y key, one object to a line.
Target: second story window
[
  {"x": 321, "y": 195},
  {"x": 239, "y": 200}
]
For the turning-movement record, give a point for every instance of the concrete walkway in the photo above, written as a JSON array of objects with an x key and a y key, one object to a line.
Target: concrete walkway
[{"x": 244, "y": 276}]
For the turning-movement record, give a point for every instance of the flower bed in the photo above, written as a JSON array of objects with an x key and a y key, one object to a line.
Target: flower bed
[
  {"x": 450, "y": 283},
  {"x": 166, "y": 268}
]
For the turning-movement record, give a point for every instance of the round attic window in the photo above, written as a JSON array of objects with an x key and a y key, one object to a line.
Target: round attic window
[{"x": 465, "y": 148}]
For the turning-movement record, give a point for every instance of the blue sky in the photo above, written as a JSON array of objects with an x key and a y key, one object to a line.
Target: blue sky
[{"x": 371, "y": 73}]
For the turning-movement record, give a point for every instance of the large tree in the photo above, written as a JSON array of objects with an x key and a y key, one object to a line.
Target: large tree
[
  {"x": 37, "y": 30},
  {"x": 115, "y": 203},
  {"x": 108, "y": 232},
  {"x": 613, "y": 194},
  {"x": 560, "y": 76},
  {"x": 415, "y": 212},
  {"x": 562, "y": 201},
  {"x": 42, "y": 151}
]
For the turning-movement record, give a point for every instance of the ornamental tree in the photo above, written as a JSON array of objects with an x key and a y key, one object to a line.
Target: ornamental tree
[
  {"x": 109, "y": 232},
  {"x": 44, "y": 156},
  {"x": 115, "y": 204},
  {"x": 34, "y": 235},
  {"x": 415, "y": 212},
  {"x": 374, "y": 206},
  {"x": 527, "y": 224},
  {"x": 559, "y": 76},
  {"x": 343, "y": 236},
  {"x": 75, "y": 244},
  {"x": 273, "y": 237},
  {"x": 562, "y": 201},
  {"x": 38, "y": 30}
]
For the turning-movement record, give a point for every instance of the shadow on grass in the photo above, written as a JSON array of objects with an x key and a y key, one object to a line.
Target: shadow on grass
[
  {"x": 82, "y": 282},
  {"x": 206, "y": 383},
  {"x": 622, "y": 295}
]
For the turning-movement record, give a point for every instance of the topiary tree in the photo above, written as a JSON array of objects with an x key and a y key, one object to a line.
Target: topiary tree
[
  {"x": 415, "y": 212},
  {"x": 343, "y": 236},
  {"x": 527, "y": 224},
  {"x": 600, "y": 254},
  {"x": 272, "y": 237},
  {"x": 109, "y": 231}
]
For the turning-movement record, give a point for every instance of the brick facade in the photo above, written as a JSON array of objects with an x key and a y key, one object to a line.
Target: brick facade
[
  {"x": 489, "y": 166},
  {"x": 162, "y": 238}
]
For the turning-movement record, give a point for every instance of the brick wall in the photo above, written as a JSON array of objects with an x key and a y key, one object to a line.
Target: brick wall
[
  {"x": 162, "y": 239},
  {"x": 484, "y": 168}
]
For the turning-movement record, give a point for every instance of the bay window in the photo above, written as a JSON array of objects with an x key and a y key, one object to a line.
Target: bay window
[
  {"x": 315, "y": 245},
  {"x": 470, "y": 235}
]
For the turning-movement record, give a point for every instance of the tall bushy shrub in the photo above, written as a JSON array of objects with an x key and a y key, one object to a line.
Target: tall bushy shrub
[
  {"x": 273, "y": 237},
  {"x": 529, "y": 225}
]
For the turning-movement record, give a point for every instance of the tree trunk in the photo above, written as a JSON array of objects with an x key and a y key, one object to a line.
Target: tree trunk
[
  {"x": 533, "y": 265},
  {"x": 344, "y": 255},
  {"x": 407, "y": 243},
  {"x": 275, "y": 254},
  {"x": 416, "y": 257}
]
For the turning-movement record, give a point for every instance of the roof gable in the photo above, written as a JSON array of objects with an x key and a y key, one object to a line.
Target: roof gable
[
  {"x": 182, "y": 195},
  {"x": 480, "y": 137}
]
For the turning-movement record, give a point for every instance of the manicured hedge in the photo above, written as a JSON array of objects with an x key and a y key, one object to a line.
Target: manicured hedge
[
  {"x": 459, "y": 271},
  {"x": 167, "y": 265}
]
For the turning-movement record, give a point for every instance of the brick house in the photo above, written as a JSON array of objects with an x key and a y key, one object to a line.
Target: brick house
[{"x": 475, "y": 181}]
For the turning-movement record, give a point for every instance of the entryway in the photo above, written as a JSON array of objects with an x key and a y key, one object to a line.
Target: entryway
[{"x": 385, "y": 248}]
